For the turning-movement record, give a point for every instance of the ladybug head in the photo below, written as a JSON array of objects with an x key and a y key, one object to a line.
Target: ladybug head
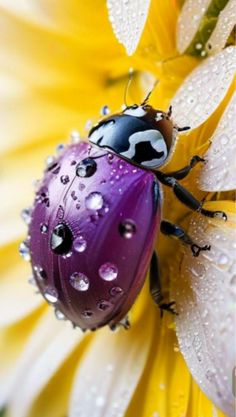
[{"x": 140, "y": 133}]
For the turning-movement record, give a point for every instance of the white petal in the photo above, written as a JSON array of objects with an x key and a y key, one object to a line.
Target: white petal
[
  {"x": 204, "y": 89},
  {"x": 205, "y": 294},
  {"x": 46, "y": 352},
  {"x": 110, "y": 372},
  {"x": 224, "y": 26},
  {"x": 189, "y": 20},
  {"x": 17, "y": 296},
  {"x": 128, "y": 19},
  {"x": 219, "y": 173}
]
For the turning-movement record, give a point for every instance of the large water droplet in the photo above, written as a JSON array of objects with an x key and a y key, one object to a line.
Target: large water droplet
[
  {"x": 26, "y": 215},
  {"x": 94, "y": 201},
  {"x": 108, "y": 271},
  {"x": 80, "y": 244},
  {"x": 86, "y": 168},
  {"x": 24, "y": 250},
  {"x": 51, "y": 294},
  {"x": 127, "y": 228},
  {"x": 79, "y": 281},
  {"x": 61, "y": 239}
]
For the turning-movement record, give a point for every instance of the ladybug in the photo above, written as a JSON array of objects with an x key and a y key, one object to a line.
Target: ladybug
[{"x": 97, "y": 213}]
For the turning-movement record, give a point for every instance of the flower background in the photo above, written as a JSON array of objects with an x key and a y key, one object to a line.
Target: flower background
[{"x": 60, "y": 62}]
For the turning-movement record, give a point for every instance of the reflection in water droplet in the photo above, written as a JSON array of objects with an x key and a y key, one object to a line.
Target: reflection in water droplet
[
  {"x": 43, "y": 228},
  {"x": 26, "y": 215},
  {"x": 108, "y": 271},
  {"x": 116, "y": 291},
  {"x": 127, "y": 228},
  {"x": 104, "y": 305},
  {"x": 79, "y": 281},
  {"x": 24, "y": 251},
  {"x": 94, "y": 201},
  {"x": 51, "y": 294},
  {"x": 61, "y": 239},
  {"x": 104, "y": 110},
  {"x": 59, "y": 315},
  {"x": 86, "y": 168},
  {"x": 80, "y": 244},
  {"x": 65, "y": 179}
]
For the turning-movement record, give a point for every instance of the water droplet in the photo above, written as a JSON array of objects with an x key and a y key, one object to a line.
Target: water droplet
[
  {"x": 105, "y": 110},
  {"x": 79, "y": 281},
  {"x": 78, "y": 205},
  {"x": 116, "y": 291},
  {"x": 49, "y": 161},
  {"x": 60, "y": 148},
  {"x": 88, "y": 124},
  {"x": 75, "y": 136},
  {"x": 87, "y": 314},
  {"x": 198, "y": 46},
  {"x": 127, "y": 228},
  {"x": 26, "y": 215},
  {"x": 59, "y": 315},
  {"x": 24, "y": 250},
  {"x": 39, "y": 272},
  {"x": 43, "y": 228},
  {"x": 81, "y": 186},
  {"x": 61, "y": 239},
  {"x": 100, "y": 401},
  {"x": 51, "y": 294},
  {"x": 80, "y": 244},
  {"x": 60, "y": 212},
  {"x": 110, "y": 158},
  {"x": 86, "y": 168},
  {"x": 223, "y": 259},
  {"x": 108, "y": 271},
  {"x": 94, "y": 201},
  {"x": 73, "y": 195},
  {"x": 104, "y": 305},
  {"x": 198, "y": 269},
  {"x": 32, "y": 281},
  {"x": 64, "y": 179}
]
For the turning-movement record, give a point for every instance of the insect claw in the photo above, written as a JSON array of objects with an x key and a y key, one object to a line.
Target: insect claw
[
  {"x": 197, "y": 249},
  {"x": 168, "y": 307}
]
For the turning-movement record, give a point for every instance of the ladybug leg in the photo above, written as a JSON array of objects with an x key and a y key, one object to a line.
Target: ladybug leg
[
  {"x": 177, "y": 232},
  {"x": 155, "y": 287},
  {"x": 187, "y": 198},
  {"x": 182, "y": 173}
]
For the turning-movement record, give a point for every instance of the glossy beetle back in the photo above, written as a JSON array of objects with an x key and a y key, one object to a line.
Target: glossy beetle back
[{"x": 92, "y": 233}]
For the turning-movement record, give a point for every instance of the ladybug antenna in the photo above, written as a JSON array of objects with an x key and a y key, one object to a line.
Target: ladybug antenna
[
  {"x": 131, "y": 73},
  {"x": 145, "y": 101}
]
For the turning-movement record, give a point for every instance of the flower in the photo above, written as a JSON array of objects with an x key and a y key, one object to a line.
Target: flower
[{"x": 58, "y": 69}]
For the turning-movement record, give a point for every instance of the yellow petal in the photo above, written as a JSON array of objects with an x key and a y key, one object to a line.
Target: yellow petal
[{"x": 205, "y": 295}]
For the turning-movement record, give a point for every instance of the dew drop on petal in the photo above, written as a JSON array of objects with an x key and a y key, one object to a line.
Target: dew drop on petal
[
  {"x": 87, "y": 314},
  {"x": 116, "y": 291},
  {"x": 61, "y": 239},
  {"x": 26, "y": 215},
  {"x": 104, "y": 305},
  {"x": 108, "y": 271},
  {"x": 80, "y": 244},
  {"x": 86, "y": 168},
  {"x": 59, "y": 315},
  {"x": 94, "y": 201},
  {"x": 79, "y": 281},
  {"x": 64, "y": 179},
  {"x": 39, "y": 273},
  {"x": 24, "y": 250},
  {"x": 51, "y": 294}
]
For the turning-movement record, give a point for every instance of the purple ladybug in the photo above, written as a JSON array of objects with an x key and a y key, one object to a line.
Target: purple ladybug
[{"x": 96, "y": 216}]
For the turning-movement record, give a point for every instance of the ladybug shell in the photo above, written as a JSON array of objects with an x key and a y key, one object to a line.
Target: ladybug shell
[{"x": 91, "y": 238}]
